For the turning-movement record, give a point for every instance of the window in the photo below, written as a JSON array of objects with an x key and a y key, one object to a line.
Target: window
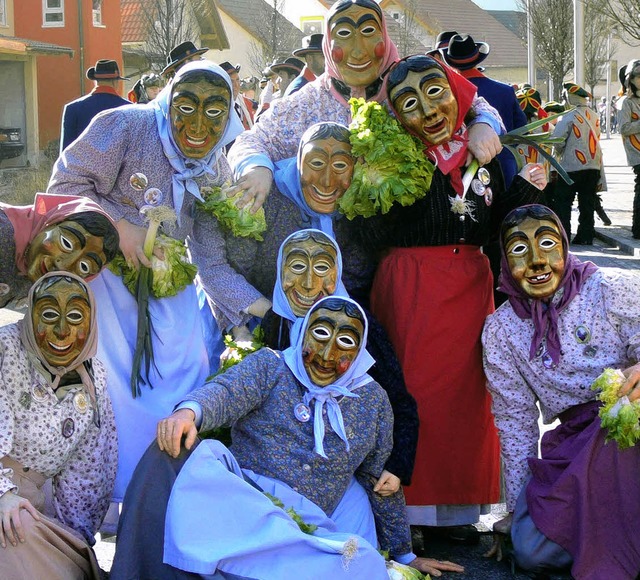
[
  {"x": 395, "y": 15},
  {"x": 312, "y": 25},
  {"x": 97, "y": 12},
  {"x": 3, "y": 12},
  {"x": 52, "y": 12}
]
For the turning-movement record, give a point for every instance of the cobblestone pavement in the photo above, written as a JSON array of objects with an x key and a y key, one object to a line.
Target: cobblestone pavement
[{"x": 614, "y": 248}]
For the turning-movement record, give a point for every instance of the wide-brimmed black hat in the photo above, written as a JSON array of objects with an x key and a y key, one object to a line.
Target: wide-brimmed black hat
[
  {"x": 291, "y": 65},
  {"x": 181, "y": 53},
  {"x": 229, "y": 68},
  {"x": 105, "y": 70},
  {"x": 464, "y": 53},
  {"x": 311, "y": 43}
]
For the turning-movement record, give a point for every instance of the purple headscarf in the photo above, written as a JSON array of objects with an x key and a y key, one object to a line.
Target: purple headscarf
[{"x": 544, "y": 314}]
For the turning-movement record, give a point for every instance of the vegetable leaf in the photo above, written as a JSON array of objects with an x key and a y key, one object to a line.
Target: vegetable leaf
[
  {"x": 240, "y": 222},
  {"x": 390, "y": 167}
]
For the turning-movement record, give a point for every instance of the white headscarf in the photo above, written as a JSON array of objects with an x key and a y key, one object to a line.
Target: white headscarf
[
  {"x": 355, "y": 377},
  {"x": 186, "y": 169}
]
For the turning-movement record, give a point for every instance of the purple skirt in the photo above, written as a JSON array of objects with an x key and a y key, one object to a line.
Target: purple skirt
[{"x": 585, "y": 496}]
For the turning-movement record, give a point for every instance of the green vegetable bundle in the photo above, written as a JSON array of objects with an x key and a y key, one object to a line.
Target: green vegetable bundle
[
  {"x": 618, "y": 415},
  {"x": 238, "y": 350},
  {"x": 293, "y": 514},
  {"x": 399, "y": 571},
  {"x": 390, "y": 167},
  {"x": 240, "y": 222},
  {"x": 170, "y": 276}
]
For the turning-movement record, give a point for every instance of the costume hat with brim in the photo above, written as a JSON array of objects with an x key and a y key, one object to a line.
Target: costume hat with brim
[
  {"x": 229, "y": 68},
  {"x": 441, "y": 43},
  {"x": 181, "y": 53},
  {"x": 464, "y": 53},
  {"x": 576, "y": 90},
  {"x": 105, "y": 70},
  {"x": 311, "y": 43},
  {"x": 290, "y": 65}
]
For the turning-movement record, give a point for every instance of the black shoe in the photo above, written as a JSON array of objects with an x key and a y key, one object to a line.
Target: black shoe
[{"x": 467, "y": 534}]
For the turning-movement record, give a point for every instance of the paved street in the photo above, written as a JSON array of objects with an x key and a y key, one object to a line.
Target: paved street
[{"x": 614, "y": 249}]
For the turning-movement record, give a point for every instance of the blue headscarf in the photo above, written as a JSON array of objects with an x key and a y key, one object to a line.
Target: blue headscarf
[
  {"x": 287, "y": 178},
  {"x": 281, "y": 305},
  {"x": 186, "y": 169},
  {"x": 355, "y": 377}
]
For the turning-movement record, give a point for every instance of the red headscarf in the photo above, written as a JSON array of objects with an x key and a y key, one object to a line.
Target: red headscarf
[
  {"x": 47, "y": 209},
  {"x": 331, "y": 70},
  {"x": 449, "y": 157}
]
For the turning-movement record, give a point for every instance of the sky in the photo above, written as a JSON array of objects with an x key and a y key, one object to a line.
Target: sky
[{"x": 496, "y": 4}]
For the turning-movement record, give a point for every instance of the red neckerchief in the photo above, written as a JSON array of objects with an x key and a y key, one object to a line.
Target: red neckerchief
[{"x": 105, "y": 89}]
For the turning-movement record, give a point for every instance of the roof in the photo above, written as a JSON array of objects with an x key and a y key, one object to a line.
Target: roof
[
  {"x": 15, "y": 45},
  {"x": 249, "y": 14},
  {"x": 512, "y": 19},
  {"x": 507, "y": 49},
  {"x": 133, "y": 21}
]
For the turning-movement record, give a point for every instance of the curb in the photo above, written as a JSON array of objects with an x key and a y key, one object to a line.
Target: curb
[{"x": 621, "y": 237}]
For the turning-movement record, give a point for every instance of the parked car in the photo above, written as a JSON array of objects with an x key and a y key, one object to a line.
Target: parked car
[{"x": 11, "y": 144}]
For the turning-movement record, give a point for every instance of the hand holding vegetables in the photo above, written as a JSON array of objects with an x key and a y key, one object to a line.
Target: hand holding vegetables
[
  {"x": 132, "y": 244},
  {"x": 255, "y": 186},
  {"x": 631, "y": 386},
  {"x": 484, "y": 143}
]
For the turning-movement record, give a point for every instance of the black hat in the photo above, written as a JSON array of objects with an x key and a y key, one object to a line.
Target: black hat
[
  {"x": 311, "y": 43},
  {"x": 443, "y": 39},
  {"x": 291, "y": 65},
  {"x": 464, "y": 53},
  {"x": 105, "y": 70},
  {"x": 181, "y": 53},
  {"x": 229, "y": 68}
]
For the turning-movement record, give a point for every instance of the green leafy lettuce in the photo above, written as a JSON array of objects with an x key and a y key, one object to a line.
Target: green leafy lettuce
[
  {"x": 240, "y": 222},
  {"x": 618, "y": 415},
  {"x": 390, "y": 167},
  {"x": 170, "y": 276},
  {"x": 399, "y": 571},
  {"x": 293, "y": 514}
]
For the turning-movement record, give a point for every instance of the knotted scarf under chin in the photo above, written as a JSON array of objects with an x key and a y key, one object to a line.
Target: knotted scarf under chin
[
  {"x": 450, "y": 157},
  {"x": 325, "y": 397}
]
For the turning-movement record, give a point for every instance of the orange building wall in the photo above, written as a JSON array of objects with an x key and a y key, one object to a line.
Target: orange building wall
[{"x": 60, "y": 78}]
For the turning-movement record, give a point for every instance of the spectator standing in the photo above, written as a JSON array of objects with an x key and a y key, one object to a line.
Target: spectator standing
[
  {"x": 78, "y": 114},
  {"x": 311, "y": 51},
  {"x": 629, "y": 125},
  {"x": 287, "y": 70},
  {"x": 244, "y": 107}
]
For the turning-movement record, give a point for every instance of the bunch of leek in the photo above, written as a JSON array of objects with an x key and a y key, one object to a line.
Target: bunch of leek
[
  {"x": 238, "y": 221},
  {"x": 618, "y": 415}
]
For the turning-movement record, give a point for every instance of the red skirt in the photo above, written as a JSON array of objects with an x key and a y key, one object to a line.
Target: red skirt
[{"x": 433, "y": 302}]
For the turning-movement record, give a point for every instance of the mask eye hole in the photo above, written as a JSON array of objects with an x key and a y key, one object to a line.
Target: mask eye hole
[
  {"x": 346, "y": 342},
  {"x": 368, "y": 30},
  {"x": 321, "y": 333},
  {"x": 340, "y": 166},
  {"x": 316, "y": 164},
  {"x": 434, "y": 91},
  {"x": 185, "y": 109},
  {"x": 66, "y": 243},
  {"x": 409, "y": 104},
  {"x": 321, "y": 268},
  {"x": 50, "y": 315},
  {"x": 75, "y": 316},
  {"x": 548, "y": 243},
  {"x": 213, "y": 112},
  {"x": 298, "y": 267},
  {"x": 343, "y": 32},
  {"x": 519, "y": 249},
  {"x": 84, "y": 268}
]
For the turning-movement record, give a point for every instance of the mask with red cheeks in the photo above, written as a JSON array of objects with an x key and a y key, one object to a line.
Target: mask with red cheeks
[
  {"x": 331, "y": 343},
  {"x": 61, "y": 318},
  {"x": 199, "y": 114},
  {"x": 357, "y": 45},
  {"x": 309, "y": 273},
  {"x": 326, "y": 170}
]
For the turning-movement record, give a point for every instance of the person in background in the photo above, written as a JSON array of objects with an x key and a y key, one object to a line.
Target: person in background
[
  {"x": 56, "y": 426},
  {"x": 179, "y": 56},
  {"x": 77, "y": 114},
  {"x": 576, "y": 504},
  {"x": 629, "y": 126},
  {"x": 286, "y": 71},
  {"x": 145, "y": 89},
  {"x": 581, "y": 156},
  {"x": 244, "y": 106},
  {"x": 311, "y": 52}
]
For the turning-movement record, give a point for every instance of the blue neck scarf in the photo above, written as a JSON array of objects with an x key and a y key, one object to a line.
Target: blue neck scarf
[
  {"x": 355, "y": 377},
  {"x": 281, "y": 305},
  {"x": 186, "y": 169}
]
